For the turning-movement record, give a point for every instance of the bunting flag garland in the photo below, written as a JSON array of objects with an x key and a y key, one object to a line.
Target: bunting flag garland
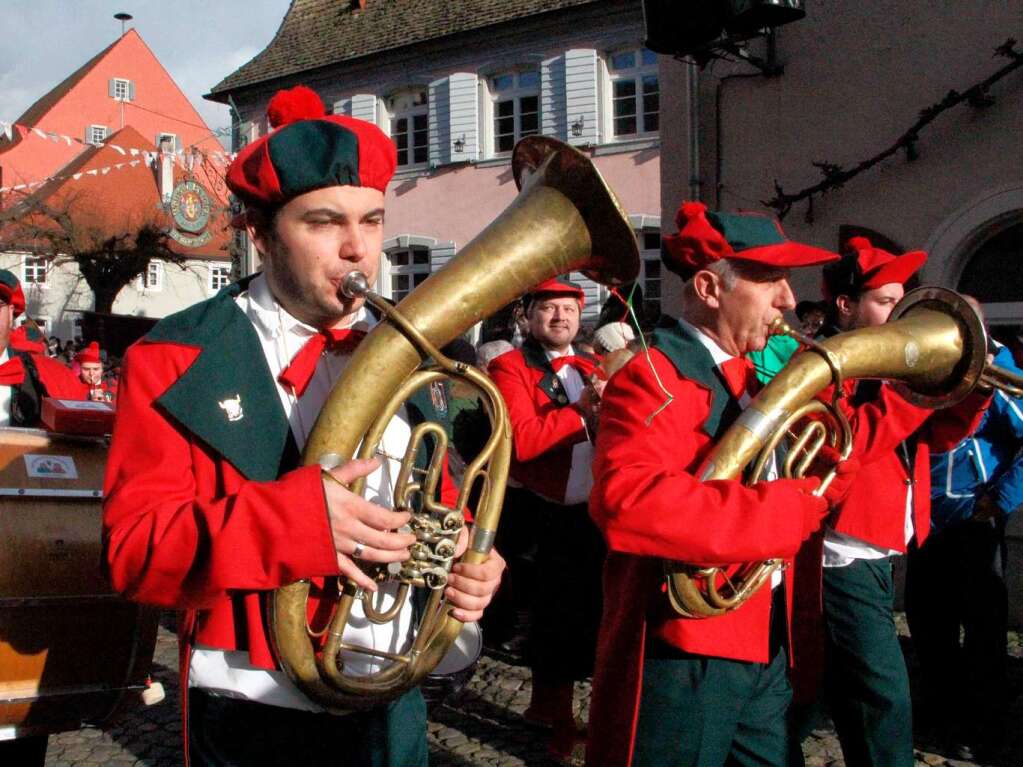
[
  {"x": 185, "y": 159},
  {"x": 7, "y": 130}
]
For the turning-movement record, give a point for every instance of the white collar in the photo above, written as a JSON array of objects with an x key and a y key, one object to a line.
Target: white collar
[{"x": 719, "y": 355}]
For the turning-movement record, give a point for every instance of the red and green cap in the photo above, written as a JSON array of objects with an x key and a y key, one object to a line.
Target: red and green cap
[
  {"x": 10, "y": 291},
  {"x": 556, "y": 286},
  {"x": 90, "y": 353},
  {"x": 705, "y": 237},
  {"x": 307, "y": 150},
  {"x": 865, "y": 267}
]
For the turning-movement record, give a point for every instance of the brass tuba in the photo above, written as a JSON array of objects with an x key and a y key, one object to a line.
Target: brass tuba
[
  {"x": 934, "y": 346},
  {"x": 564, "y": 219}
]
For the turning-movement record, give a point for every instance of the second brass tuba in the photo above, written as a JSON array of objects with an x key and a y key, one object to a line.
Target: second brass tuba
[
  {"x": 934, "y": 346},
  {"x": 564, "y": 219}
]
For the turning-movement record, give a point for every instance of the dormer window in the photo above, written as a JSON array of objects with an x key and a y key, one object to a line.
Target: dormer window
[{"x": 121, "y": 89}]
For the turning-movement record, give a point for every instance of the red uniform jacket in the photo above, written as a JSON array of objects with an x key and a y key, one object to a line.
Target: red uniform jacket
[
  {"x": 651, "y": 507},
  {"x": 544, "y": 425},
  {"x": 201, "y": 512},
  {"x": 875, "y": 508}
]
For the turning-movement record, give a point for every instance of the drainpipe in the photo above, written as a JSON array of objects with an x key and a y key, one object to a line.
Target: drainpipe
[{"x": 693, "y": 83}]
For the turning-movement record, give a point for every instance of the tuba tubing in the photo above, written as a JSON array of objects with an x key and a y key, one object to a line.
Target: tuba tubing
[
  {"x": 934, "y": 348},
  {"x": 564, "y": 219}
]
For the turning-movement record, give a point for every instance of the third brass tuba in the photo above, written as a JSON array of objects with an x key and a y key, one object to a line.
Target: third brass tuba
[
  {"x": 934, "y": 346},
  {"x": 564, "y": 219}
]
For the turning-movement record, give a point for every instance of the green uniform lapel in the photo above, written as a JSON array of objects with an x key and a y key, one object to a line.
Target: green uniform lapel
[
  {"x": 227, "y": 397},
  {"x": 550, "y": 384},
  {"x": 692, "y": 360}
]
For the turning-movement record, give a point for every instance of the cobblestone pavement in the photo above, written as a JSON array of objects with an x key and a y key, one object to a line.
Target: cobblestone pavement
[{"x": 483, "y": 725}]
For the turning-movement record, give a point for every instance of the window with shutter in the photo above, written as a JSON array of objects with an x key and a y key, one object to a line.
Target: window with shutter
[
  {"x": 635, "y": 93},
  {"x": 515, "y": 97},
  {"x": 581, "y": 96},
  {"x": 95, "y": 134},
  {"x": 121, "y": 89},
  {"x": 410, "y": 127}
]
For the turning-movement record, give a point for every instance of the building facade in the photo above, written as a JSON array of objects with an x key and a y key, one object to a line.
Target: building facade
[
  {"x": 455, "y": 91},
  {"x": 110, "y": 145}
]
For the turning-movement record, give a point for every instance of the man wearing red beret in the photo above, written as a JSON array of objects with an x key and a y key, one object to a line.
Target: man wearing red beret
[
  {"x": 553, "y": 393},
  {"x": 90, "y": 371},
  {"x": 205, "y": 510},
  {"x": 678, "y": 690},
  {"x": 887, "y": 506}
]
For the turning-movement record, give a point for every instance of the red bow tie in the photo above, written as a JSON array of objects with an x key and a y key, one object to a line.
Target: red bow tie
[
  {"x": 299, "y": 373},
  {"x": 12, "y": 372},
  {"x": 584, "y": 365},
  {"x": 740, "y": 376}
]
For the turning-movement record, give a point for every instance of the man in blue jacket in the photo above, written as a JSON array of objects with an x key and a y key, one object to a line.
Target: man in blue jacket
[{"x": 957, "y": 578}]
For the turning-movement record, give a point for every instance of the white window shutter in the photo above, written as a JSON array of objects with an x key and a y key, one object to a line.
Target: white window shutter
[
  {"x": 591, "y": 310},
  {"x": 131, "y": 90},
  {"x": 439, "y": 121},
  {"x": 110, "y": 88},
  {"x": 581, "y": 95},
  {"x": 552, "y": 98},
  {"x": 464, "y": 116},
  {"x": 440, "y": 254},
  {"x": 364, "y": 107},
  {"x": 343, "y": 107}
]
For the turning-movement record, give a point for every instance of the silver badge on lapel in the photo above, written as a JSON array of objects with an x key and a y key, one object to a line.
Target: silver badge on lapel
[{"x": 233, "y": 408}]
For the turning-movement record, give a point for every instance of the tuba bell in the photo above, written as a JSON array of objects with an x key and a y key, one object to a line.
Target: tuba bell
[
  {"x": 934, "y": 347},
  {"x": 564, "y": 219}
]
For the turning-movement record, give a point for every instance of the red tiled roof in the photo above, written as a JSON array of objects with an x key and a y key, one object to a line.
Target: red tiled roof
[{"x": 124, "y": 199}]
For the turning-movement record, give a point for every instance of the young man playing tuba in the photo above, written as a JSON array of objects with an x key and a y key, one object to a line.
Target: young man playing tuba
[{"x": 205, "y": 509}]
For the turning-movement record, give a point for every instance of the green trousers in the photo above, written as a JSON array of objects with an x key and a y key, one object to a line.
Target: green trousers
[
  {"x": 866, "y": 682},
  {"x": 698, "y": 711},
  {"x": 224, "y": 732}
]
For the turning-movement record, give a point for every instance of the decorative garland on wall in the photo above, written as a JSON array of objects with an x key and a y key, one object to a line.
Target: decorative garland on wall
[{"x": 835, "y": 176}]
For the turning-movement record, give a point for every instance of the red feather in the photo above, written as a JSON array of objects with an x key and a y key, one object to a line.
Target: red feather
[{"x": 298, "y": 103}]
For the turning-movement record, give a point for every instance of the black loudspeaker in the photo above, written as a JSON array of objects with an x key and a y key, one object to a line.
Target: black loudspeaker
[
  {"x": 682, "y": 27},
  {"x": 679, "y": 27},
  {"x": 747, "y": 17}
]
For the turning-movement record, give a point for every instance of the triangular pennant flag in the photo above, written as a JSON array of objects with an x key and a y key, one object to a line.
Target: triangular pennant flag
[
  {"x": 76, "y": 176},
  {"x": 133, "y": 152},
  {"x": 92, "y": 172},
  {"x": 5, "y": 130},
  {"x": 116, "y": 148},
  {"x": 68, "y": 140},
  {"x": 105, "y": 171},
  {"x": 39, "y": 133},
  {"x": 133, "y": 163}
]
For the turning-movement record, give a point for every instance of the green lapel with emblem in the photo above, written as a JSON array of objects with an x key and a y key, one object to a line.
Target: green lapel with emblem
[
  {"x": 692, "y": 360},
  {"x": 227, "y": 397},
  {"x": 549, "y": 384}
]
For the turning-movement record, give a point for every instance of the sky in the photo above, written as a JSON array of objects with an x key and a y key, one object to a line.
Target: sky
[{"x": 198, "y": 42}]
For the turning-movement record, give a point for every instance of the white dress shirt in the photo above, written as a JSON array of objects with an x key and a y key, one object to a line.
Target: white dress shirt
[
  {"x": 5, "y": 395},
  {"x": 580, "y": 475},
  {"x": 281, "y": 337}
]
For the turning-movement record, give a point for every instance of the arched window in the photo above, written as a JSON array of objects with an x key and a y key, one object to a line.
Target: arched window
[{"x": 994, "y": 276}]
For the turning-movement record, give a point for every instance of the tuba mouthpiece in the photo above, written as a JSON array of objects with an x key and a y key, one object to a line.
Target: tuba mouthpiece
[{"x": 354, "y": 285}]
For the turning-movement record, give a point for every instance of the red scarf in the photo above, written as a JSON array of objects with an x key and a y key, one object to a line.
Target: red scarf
[
  {"x": 12, "y": 372},
  {"x": 584, "y": 365},
  {"x": 740, "y": 376},
  {"x": 299, "y": 372}
]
